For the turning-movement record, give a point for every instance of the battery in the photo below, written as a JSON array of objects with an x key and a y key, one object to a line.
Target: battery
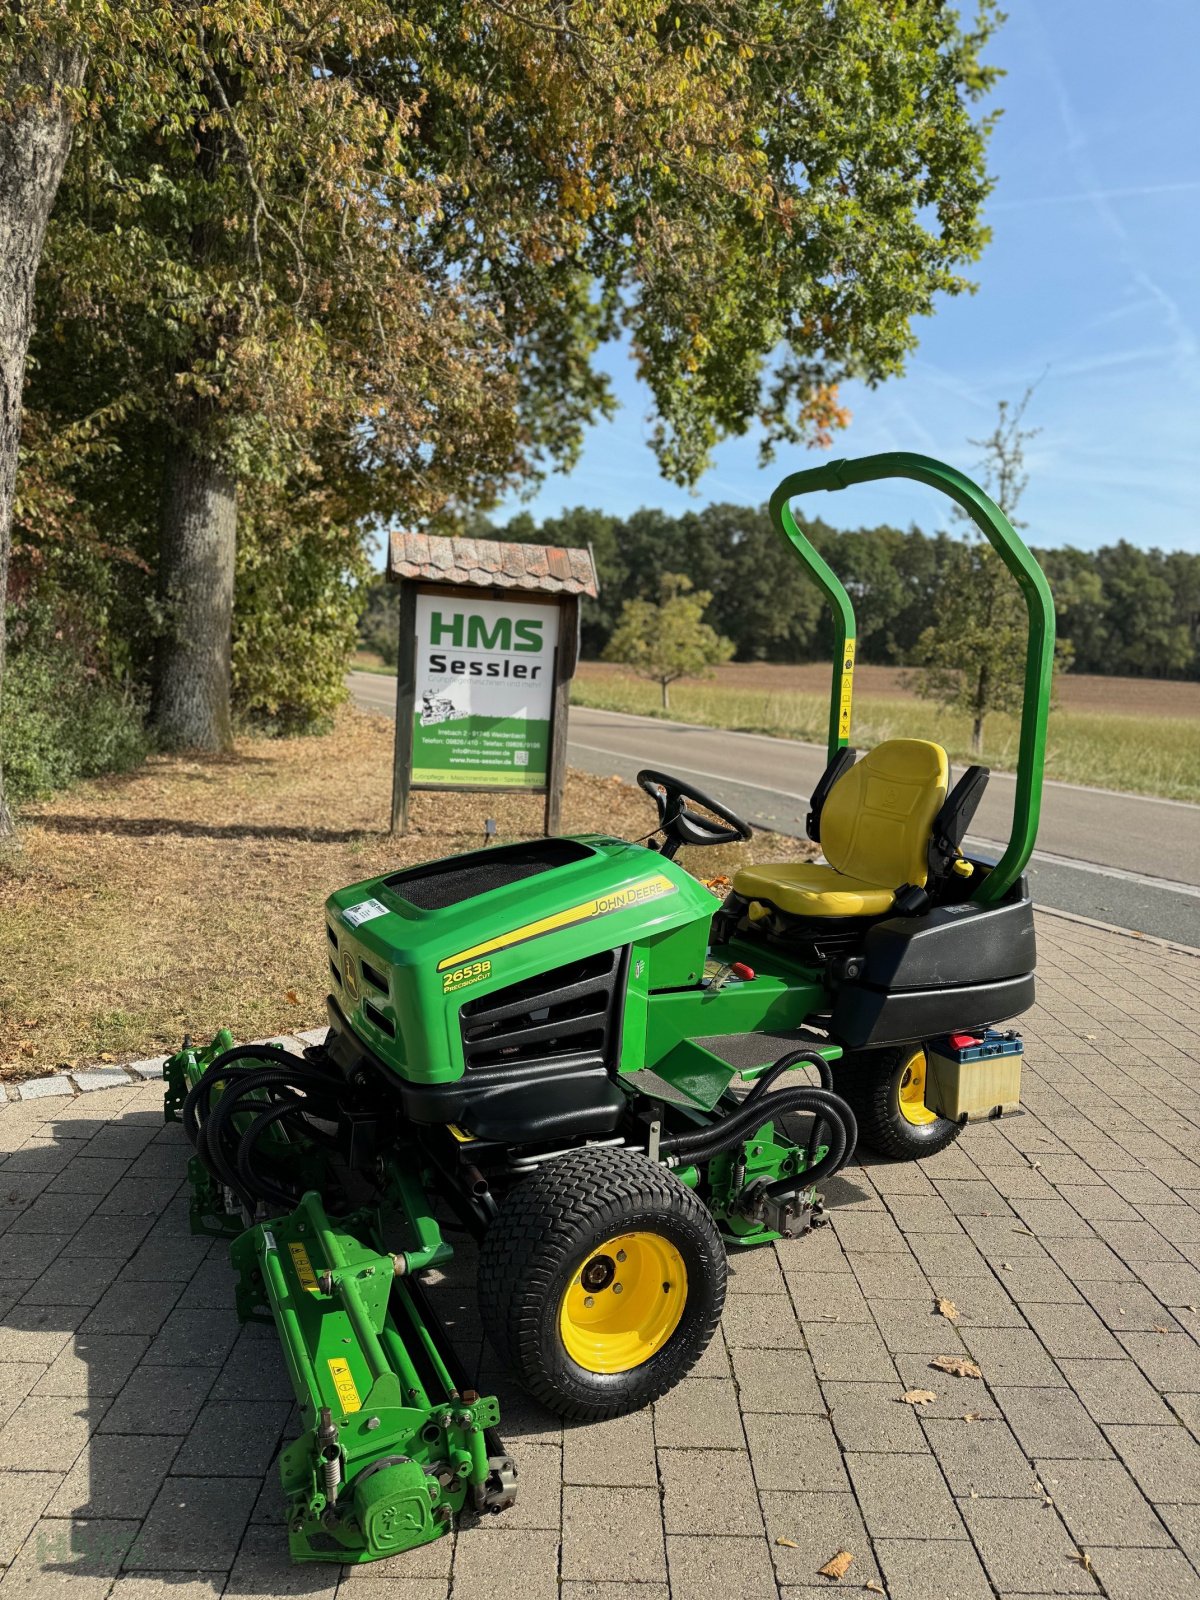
[{"x": 974, "y": 1077}]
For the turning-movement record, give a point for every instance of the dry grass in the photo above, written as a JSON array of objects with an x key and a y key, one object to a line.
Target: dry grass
[{"x": 187, "y": 895}]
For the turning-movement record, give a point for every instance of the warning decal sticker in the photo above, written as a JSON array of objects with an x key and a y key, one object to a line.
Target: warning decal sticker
[{"x": 343, "y": 1382}]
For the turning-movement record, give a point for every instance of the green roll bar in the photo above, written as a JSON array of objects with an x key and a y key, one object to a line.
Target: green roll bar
[{"x": 1039, "y": 653}]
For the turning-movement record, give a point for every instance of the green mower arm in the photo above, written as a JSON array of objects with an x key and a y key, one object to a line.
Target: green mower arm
[{"x": 1017, "y": 557}]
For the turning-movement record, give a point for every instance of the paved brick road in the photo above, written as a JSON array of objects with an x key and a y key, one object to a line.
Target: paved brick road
[{"x": 138, "y": 1424}]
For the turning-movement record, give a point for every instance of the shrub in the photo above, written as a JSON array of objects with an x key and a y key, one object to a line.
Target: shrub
[
  {"x": 60, "y": 722},
  {"x": 296, "y": 611}
]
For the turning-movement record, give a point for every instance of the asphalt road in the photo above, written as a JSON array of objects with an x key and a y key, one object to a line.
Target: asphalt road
[{"x": 1118, "y": 858}]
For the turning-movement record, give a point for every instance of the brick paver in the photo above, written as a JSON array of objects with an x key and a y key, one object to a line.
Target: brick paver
[{"x": 138, "y": 1423}]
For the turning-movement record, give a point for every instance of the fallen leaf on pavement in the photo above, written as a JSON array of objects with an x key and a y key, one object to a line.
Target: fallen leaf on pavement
[
  {"x": 837, "y": 1565},
  {"x": 1006, "y": 1266},
  {"x": 1028, "y": 1232},
  {"x": 918, "y": 1397},
  {"x": 958, "y": 1366},
  {"x": 1082, "y": 1560},
  {"x": 972, "y": 1416},
  {"x": 1157, "y": 1329},
  {"x": 788, "y": 1544},
  {"x": 875, "y": 1588},
  {"x": 947, "y": 1309}
]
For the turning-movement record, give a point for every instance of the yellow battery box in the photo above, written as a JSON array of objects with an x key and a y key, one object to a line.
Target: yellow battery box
[{"x": 974, "y": 1077}]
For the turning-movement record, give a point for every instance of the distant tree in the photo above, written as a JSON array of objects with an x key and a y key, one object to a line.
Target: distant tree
[
  {"x": 670, "y": 640},
  {"x": 972, "y": 659},
  {"x": 1078, "y": 592},
  {"x": 1146, "y": 634}
]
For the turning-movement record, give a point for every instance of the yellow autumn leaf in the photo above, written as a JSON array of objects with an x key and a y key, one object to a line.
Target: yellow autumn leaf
[
  {"x": 836, "y": 1567},
  {"x": 957, "y": 1366},
  {"x": 917, "y": 1397}
]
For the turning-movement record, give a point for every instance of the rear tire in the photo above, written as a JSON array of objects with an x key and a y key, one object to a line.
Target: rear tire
[
  {"x": 886, "y": 1090},
  {"x": 601, "y": 1282}
]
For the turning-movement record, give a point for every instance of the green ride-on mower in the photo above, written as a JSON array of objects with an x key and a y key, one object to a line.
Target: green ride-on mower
[{"x": 573, "y": 1050}]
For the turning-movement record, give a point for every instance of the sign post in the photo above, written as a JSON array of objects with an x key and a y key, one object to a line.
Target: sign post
[{"x": 488, "y": 645}]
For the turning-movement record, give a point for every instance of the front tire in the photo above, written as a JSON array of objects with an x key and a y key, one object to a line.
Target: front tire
[
  {"x": 887, "y": 1091},
  {"x": 601, "y": 1282}
]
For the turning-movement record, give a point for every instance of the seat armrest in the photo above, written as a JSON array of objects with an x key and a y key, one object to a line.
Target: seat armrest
[
  {"x": 952, "y": 821},
  {"x": 841, "y": 764}
]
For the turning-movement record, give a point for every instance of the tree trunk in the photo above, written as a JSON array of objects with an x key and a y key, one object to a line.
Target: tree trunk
[
  {"x": 195, "y": 585},
  {"x": 666, "y": 694},
  {"x": 983, "y": 692},
  {"x": 34, "y": 143}
]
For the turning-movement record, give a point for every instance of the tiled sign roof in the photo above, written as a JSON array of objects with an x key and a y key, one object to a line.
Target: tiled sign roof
[{"x": 490, "y": 564}]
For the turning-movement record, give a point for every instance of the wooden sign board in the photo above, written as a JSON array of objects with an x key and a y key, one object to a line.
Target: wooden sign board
[{"x": 482, "y": 686}]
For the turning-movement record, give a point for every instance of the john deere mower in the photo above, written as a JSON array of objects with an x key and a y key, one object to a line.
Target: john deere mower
[{"x": 569, "y": 1048}]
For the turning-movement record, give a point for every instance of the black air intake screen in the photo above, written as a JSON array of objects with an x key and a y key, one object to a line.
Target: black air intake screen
[
  {"x": 448, "y": 883},
  {"x": 572, "y": 1012}
]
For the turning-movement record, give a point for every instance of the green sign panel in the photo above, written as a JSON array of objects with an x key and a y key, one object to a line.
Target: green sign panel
[{"x": 484, "y": 691}]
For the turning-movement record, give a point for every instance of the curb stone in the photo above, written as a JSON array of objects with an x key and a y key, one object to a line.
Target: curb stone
[{"x": 89, "y": 1079}]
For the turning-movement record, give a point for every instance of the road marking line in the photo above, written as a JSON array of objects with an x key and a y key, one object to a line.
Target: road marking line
[
  {"x": 691, "y": 772},
  {"x": 1168, "y": 884},
  {"x": 804, "y": 744},
  {"x": 1142, "y": 878}
]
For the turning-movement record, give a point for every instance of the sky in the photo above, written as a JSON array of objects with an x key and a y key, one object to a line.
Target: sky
[{"x": 1090, "y": 289}]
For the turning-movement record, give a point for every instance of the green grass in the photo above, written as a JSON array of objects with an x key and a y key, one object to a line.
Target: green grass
[
  {"x": 1144, "y": 755},
  {"x": 368, "y": 661}
]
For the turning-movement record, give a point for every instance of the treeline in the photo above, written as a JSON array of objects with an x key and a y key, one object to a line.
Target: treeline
[{"x": 1121, "y": 609}]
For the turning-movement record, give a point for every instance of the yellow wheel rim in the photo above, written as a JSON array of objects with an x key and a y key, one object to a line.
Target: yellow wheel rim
[
  {"x": 912, "y": 1092},
  {"x": 623, "y": 1302}
]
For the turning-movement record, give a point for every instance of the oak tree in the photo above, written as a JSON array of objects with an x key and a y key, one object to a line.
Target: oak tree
[{"x": 371, "y": 250}]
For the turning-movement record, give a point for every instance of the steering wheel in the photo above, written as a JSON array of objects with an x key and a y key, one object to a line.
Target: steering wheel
[{"x": 683, "y": 825}]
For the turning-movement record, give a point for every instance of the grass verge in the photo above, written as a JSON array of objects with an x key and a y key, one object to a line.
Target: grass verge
[
  {"x": 187, "y": 895},
  {"x": 1140, "y": 754}
]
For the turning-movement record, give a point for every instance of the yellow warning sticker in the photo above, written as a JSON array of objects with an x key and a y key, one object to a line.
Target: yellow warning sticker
[
  {"x": 343, "y": 1382},
  {"x": 460, "y": 1133},
  {"x": 847, "y": 690},
  {"x": 303, "y": 1266}
]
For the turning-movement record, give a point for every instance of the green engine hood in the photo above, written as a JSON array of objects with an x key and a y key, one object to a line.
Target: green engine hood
[{"x": 405, "y": 946}]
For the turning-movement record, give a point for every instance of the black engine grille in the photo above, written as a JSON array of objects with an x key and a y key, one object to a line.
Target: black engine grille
[
  {"x": 570, "y": 1013},
  {"x": 448, "y": 883}
]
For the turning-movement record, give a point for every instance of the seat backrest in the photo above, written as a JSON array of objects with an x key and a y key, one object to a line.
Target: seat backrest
[{"x": 877, "y": 819}]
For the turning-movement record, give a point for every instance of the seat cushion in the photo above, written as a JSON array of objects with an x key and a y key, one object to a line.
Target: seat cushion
[
  {"x": 877, "y": 819},
  {"x": 811, "y": 889}
]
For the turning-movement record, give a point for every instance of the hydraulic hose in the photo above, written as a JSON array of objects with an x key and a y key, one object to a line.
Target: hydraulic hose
[
  {"x": 221, "y": 1117},
  {"x": 294, "y": 1087},
  {"x": 257, "y": 1181},
  {"x": 196, "y": 1104},
  {"x": 835, "y": 1157},
  {"x": 741, "y": 1124},
  {"x": 794, "y": 1058}
]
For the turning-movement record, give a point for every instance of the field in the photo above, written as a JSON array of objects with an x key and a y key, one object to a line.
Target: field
[
  {"x": 188, "y": 895},
  {"x": 1139, "y": 735},
  {"x": 1134, "y": 697}
]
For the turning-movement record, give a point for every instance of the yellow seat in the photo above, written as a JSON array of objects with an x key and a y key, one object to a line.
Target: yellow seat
[{"x": 875, "y": 829}]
